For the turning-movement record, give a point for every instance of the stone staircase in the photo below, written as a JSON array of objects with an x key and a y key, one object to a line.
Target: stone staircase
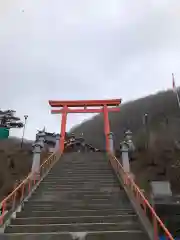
[{"x": 80, "y": 198}]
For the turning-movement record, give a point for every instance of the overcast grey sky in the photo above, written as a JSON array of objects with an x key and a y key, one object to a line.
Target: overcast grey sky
[{"x": 84, "y": 49}]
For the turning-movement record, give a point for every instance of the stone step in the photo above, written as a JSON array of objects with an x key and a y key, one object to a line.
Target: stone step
[
  {"x": 72, "y": 181},
  {"x": 78, "y": 160},
  {"x": 80, "y": 188},
  {"x": 49, "y": 182},
  {"x": 106, "y": 184},
  {"x": 84, "y": 161},
  {"x": 85, "y": 181},
  {"x": 45, "y": 202},
  {"x": 82, "y": 165},
  {"x": 87, "y": 166},
  {"x": 99, "y": 235},
  {"x": 81, "y": 173},
  {"x": 35, "y": 228},
  {"x": 80, "y": 177},
  {"x": 124, "y": 235},
  {"x": 64, "y": 206},
  {"x": 75, "y": 219},
  {"x": 102, "y": 190},
  {"x": 111, "y": 184},
  {"x": 56, "y": 203},
  {"x": 72, "y": 213},
  {"x": 75, "y": 183},
  {"x": 80, "y": 196},
  {"x": 84, "y": 193},
  {"x": 74, "y": 186},
  {"x": 48, "y": 196},
  {"x": 83, "y": 169},
  {"x": 37, "y": 236},
  {"x": 69, "y": 198},
  {"x": 60, "y": 169},
  {"x": 83, "y": 157},
  {"x": 52, "y": 195},
  {"x": 91, "y": 168},
  {"x": 81, "y": 161},
  {"x": 105, "y": 166}
]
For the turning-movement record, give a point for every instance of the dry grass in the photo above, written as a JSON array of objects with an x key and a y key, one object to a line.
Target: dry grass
[{"x": 11, "y": 152}]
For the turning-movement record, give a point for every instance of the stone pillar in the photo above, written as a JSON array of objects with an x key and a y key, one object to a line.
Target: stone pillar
[
  {"x": 125, "y": 156},
  {"x": 37, "y": 148},
  {"x": 111, "y": 142},
  {"x": 57, "y": 142}
]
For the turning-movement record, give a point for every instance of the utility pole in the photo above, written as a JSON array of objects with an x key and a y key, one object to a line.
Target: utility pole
[
  {"x": 146, "y": 127},
  {"x": 24, "y": 128},
  {"x": 175, "y": 90}
]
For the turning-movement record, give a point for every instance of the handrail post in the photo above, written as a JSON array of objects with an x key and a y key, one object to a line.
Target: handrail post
[
  {"x": 111, "y": 142},
  {"x": 57, "y": 142},
  {"x": 127, "y": 147},
  {"x": 36, "y": 160},
  {"x": 125, "y": 156}
]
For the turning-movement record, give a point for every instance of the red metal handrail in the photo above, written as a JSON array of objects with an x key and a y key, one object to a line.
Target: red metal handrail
[
  {"x": 14, "y": 199},
  {"x": 141, "y": 199}
]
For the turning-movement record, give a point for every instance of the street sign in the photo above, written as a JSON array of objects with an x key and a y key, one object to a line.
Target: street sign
[{"x": 4, "y": 133}]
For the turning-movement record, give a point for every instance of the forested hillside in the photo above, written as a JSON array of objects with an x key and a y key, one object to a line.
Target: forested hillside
[{"x": 161, "y": 160}]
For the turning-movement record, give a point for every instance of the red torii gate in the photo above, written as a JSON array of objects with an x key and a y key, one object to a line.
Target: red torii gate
[{"x": 81, "y": 106}]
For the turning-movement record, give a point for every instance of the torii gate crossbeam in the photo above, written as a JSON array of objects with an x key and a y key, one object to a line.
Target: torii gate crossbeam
[{"x": 80, "y": 106}]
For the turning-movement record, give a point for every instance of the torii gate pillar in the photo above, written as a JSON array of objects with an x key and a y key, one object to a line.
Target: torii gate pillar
[
  {"x": 63, "y": 128},
  {"x": 100, "y": 106}
]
